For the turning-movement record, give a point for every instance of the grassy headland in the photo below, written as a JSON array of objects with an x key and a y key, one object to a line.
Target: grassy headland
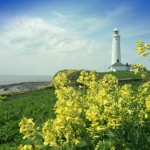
[{"x": 123, "y": 77}]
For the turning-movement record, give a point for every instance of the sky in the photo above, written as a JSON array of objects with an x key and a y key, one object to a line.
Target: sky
[{"x": 41, "y": 37}]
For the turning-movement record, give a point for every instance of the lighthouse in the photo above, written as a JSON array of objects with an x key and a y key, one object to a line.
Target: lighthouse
[
  {"x": 116, "y": 64},
  {"x": 116, "y": 54}
]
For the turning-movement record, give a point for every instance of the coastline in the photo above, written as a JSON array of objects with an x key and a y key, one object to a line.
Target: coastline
[{"x": 22, "y": 87}]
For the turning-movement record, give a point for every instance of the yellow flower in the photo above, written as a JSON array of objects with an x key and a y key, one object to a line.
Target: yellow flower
[
  {"x": 25, "y": 147},
  {"x": 101, "y": 128},
  {"x": 76, "y": 141},
  {"x": 27, "y": 127},
  {"x": 142, "y": 48},
  {"x": 60, "y": 80},
  {"x": 148, "y": 105}
]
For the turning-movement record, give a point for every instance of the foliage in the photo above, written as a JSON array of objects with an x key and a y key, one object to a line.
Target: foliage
[
  {"x": 98, "y": 115},
  {"x": 2, "y": 98},
  {"x": 140, "y": 69},
  {"x": 142, "y": 50},
  {"x": 36, "y": 104}
]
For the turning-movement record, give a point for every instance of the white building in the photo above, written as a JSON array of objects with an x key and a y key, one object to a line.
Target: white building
[{"x": 116, "y": 64}]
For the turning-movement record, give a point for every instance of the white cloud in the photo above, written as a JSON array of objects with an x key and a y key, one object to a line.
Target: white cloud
[{"x": 35, "y": 41}]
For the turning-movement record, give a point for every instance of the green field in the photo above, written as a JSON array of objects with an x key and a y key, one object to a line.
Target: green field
[{"x": 37, "y": 104}]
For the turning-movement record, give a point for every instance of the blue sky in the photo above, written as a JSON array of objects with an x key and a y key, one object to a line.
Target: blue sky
[{"x": 41, "y": 37}]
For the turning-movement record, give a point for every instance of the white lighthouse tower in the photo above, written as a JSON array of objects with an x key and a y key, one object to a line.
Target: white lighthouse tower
[
  {"x": 116, "y": 64},
  {"x": 116, "y": 54}
]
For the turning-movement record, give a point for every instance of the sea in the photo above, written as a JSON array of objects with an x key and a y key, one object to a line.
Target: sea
[{"x": 6, "y": 80}]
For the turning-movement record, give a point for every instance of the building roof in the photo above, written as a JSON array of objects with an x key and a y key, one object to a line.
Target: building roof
[{"x": 118, "y": 64}]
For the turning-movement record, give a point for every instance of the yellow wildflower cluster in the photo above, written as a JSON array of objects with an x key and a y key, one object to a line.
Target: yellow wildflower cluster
[
  {"x": 87, "y": 117},
  {"x": 139, "y": 69},
  {"x": 29, "y": 147},
  {"x": 27, "y": 127},
  {"x": 25, "y": 147},
  {"x": 148, "y": 104},
  {"x": 144, "y": 91},
  {"x": 60, "y": 80},
  {"x": 142, "y": 48},
  {"x": 87, "y": 78}
]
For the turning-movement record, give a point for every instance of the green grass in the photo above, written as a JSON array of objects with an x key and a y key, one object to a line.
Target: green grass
[
  {"x": 124, "y": 74},
  {"x": 34, "y": 104},
  {"x": 74, "y": 74}
]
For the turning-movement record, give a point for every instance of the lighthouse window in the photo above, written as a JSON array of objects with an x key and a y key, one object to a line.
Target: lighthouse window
[{"x": 116, "y": 32}]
